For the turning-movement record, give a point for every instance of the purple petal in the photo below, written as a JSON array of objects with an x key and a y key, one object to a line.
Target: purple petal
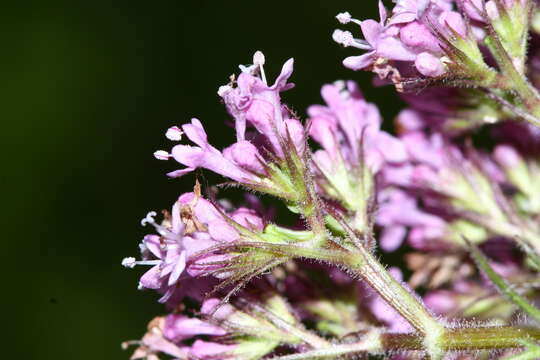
[
  {"x": 177, "y": 223},
  {"x": 391, "y": 148},
  {"x": 322, "y": 130},
  {"x": 418, "y": 37},
  {"x": 393, "y": 49},
  {"x": 507, "y": 156},
  {"x": 360, "y": 62},
  {"x": 402, "y": 18},
  {"x": 204, "y": 210},
  {"x": 429, "y": 65},
  {"x": 382, "y": 13},
  {"x": 152, "y": 279},
  {"x": 221, "y": 231},
  {"x": 210, "y": 350},
  {"x": 179, "y": 327},
  {"x": 179, "y": 173},
  {"x": 286, "y": 72},
  {"x": 295, "y": 130},
  {"x": 245, "y": 155},
  {"x": 179, "y": 267},
  {"x": 152, "y": 243},
  {"x": 195, "y": 132},
  {"x": 392, "y": 237},
  {"x": 248, "y": 218},
  {"x": 371, "y": 30},
  {"x": 157, "y": 343},
  {"x": 190, "y": 156}
]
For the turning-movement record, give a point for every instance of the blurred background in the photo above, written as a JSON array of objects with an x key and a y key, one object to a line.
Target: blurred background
[{"x": 88, "y": 92}]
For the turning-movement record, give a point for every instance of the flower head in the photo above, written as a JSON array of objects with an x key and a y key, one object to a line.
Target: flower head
[{"x": 185, "y": 246}]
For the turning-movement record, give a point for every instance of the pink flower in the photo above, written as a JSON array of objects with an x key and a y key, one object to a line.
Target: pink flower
[
  {"x": 399, "y": 211},
  {"x": 180, "y": 327},
  {"x": 349, "y": 121},
  {"x": 206, "y": 156},
  {"x": 183, "y": 248},
  {"x": 253, "y": 101},
  {"x": 414, "y": 34},
  {"x": 245, "y": 155},
  {"x": 380, "y": 42}
]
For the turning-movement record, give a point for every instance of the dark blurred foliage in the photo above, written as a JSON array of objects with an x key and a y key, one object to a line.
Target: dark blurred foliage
[{"x": 88, "y": 90}]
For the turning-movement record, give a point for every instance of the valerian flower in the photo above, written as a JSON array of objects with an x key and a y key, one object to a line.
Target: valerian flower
[
  {"x": 466, "y": 203},
  {"x": 185, "y": 245}
]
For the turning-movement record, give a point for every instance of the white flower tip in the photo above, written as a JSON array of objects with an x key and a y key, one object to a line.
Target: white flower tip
[
  {"x": 149, "y": 219},
  {"x": 258, "y": 58},
  {"x": 129, "y": 262},
  {"x": 162, "y": 155},
  {"x": 224, "y": 89},
  {"x": 344, "y": 38},
  {"x": 174, "y": 133},
  {"x": 344, "y": 17}
]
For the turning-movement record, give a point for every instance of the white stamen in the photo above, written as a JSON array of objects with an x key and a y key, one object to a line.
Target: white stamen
[
  {"x": 148, "y": 262},
  {"x": 361, "y": 44},
  {"x": 129, "y": 262},
  {"x": 126, "y": 344},
  {"x": 223, "y": 90},
  {"x": 162, "y": 155},
  {"x": 344, "y": 38},
  {"x": 149, "y": 219},
  {"x": 344, "y": 17},
  {"x": 174, "y": 133},
  {"x": 162, "y": 230},
  {"x": 259, "y": 60}
]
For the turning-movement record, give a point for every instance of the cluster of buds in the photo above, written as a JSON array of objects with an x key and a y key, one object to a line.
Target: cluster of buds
[{"x": 460, "y": 209}]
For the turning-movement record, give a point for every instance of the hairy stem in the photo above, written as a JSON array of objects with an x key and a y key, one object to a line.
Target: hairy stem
[
  {"x": 459, "y": 339},
  {"x": 514, "y": 80},
  {"x": 392, "y": 291}
]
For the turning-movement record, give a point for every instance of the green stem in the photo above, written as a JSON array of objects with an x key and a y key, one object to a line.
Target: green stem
[
  {"x": 481, "y": 338},
  {"x": 512, "y": 79},
  {"x": 393, "y": 292},
  {"x": 491, "y": 338},
  {"x": 459, "y": 339}
]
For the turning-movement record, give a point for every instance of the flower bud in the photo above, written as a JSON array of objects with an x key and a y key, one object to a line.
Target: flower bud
[{"x": 429, "y": 65}]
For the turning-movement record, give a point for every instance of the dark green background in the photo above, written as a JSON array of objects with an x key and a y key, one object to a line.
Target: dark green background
[{"x": 88, "y": 91}]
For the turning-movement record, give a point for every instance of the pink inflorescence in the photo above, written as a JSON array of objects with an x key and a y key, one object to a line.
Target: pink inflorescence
[{"x": 450, "y": 192}]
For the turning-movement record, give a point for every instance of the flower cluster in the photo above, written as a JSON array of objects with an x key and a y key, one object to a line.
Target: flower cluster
[{"x": 452, "y": 193}]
